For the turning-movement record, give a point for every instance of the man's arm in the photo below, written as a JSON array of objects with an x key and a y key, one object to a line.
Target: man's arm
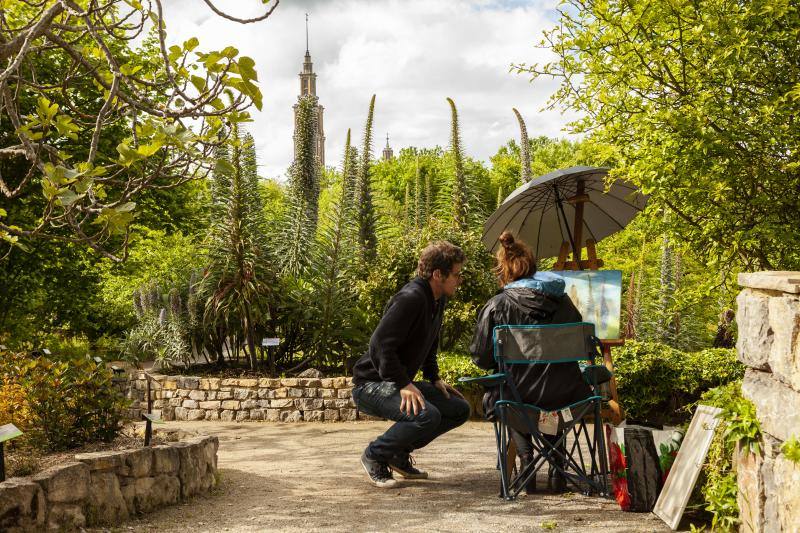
[{"x": 391, "y": 332}]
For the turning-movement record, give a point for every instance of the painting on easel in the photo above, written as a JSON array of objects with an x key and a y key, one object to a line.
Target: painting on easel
[{"x": 597, "y": 294}]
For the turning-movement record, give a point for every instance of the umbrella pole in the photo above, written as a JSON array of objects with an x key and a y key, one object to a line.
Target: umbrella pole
[
  {"x": 577, "y": 242},
  {"x": 562, "y": 263}
]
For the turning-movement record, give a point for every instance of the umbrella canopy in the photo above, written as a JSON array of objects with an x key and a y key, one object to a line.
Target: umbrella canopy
[{"x": 545, "y": 211}]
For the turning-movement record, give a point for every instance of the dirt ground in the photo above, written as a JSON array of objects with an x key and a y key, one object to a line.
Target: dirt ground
[{"x": 307, "y": 477}]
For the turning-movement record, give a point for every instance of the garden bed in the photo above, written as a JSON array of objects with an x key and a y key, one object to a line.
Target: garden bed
[
  {"x": 107, "y": 487},
  {"x": 27, "y": 461}
]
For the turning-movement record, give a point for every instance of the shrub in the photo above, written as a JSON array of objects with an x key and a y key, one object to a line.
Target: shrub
[
  {"x": 656, "y": 382},
  {"x": 454, "y": 365},
  {"x": 58, "y": 402},
  {"x": 738, "y": 425}
]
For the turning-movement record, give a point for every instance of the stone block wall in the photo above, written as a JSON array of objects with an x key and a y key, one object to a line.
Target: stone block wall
[
  {"x": 242, "y": 399},
  {"x": 768, "y": 319},
  {"x": 105, "y": 488}
]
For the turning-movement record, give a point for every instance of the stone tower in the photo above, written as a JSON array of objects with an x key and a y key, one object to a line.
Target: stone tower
[
  {"x": 387, "y": 151},
  {"x": 308, "y": 86}
]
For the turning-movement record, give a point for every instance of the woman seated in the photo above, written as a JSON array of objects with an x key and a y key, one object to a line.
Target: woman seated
[{"x": 528, "y": 298}]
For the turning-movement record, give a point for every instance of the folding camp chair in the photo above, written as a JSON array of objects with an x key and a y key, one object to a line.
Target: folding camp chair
[{"x": 575, "y": 452}]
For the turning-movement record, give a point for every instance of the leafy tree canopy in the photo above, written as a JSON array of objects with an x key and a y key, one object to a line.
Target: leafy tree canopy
[
  {"x": 698, "y": 102},
  {"x": 69, "y": 73}
]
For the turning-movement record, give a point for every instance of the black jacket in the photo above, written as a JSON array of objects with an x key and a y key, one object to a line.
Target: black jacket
[
  {"x": 548, "y": 386},
  {"x": 406, "y": 339}
]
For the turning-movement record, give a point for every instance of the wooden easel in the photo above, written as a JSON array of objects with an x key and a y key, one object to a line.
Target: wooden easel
[{"x": 614, "y": 412}]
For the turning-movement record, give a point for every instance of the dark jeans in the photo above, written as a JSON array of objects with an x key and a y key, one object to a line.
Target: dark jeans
[{"x": 410, "y": 432}]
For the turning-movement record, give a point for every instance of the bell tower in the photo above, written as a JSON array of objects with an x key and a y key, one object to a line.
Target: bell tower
[{"x": 308, "y": 87}]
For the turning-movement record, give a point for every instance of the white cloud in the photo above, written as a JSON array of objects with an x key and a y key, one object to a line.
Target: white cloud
[{"x": 412, "y": 54}]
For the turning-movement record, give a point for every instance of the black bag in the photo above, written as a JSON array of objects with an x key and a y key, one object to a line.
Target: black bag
[{"x": 644, "y": 469}]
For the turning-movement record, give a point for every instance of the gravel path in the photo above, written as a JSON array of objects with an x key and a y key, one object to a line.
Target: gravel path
[{"x": 307, "y": 477}]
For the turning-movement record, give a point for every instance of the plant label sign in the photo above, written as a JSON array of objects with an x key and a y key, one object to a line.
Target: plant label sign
[
  {"x": 153, "y": 418},
  {"x": 271, "y": 341},
  {"x": 8, "y": 432}
]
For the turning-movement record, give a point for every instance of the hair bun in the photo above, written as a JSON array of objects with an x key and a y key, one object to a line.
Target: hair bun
[{"x": 506, "y": 239}]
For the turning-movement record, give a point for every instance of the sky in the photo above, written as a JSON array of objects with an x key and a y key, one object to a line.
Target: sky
[{"x": 412, "y": 54}]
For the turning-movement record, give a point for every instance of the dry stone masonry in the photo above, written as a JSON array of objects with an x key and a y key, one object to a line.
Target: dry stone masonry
[
  {"x": 769, "y": 345},
  {"x": 105, "y": 488},
  {"x": 242, "y": 399}
]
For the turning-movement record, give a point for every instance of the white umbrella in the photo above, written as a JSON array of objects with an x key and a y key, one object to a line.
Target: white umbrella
[{"x": 546, "y": 211}]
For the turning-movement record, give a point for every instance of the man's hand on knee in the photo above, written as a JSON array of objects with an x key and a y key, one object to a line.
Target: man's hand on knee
[
  {"x": 447, "y": 389},
  {"x": 411, "y": 400}
]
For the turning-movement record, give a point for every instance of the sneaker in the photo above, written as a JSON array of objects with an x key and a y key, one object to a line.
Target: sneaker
[
  {"x": 378, "y": 472},
  {"x": 404, "y": 465}
]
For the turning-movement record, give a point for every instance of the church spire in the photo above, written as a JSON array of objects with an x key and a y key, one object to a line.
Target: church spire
[
  {"x": 308, "y": 87},
  {"x": 387, "y": 151}
]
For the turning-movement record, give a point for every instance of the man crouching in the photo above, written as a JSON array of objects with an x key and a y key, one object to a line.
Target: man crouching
[{"x": 407, "y": 339}]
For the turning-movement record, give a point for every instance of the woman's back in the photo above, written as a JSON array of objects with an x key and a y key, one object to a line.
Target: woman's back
[{"x": 539, "y": 299}]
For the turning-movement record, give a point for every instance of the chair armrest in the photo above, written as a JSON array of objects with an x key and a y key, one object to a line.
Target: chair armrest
[
  {"x": 486, "y": 381},
  {"x": 596, "y": 374}
]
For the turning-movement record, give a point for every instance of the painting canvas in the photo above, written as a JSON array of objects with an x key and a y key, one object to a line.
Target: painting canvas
[
  {"x": 597, "y": 294},
  {"x": 686, "y": 469}
]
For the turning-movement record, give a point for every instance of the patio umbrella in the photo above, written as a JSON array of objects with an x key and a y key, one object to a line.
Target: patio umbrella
[{"x": 564, "y": 206}]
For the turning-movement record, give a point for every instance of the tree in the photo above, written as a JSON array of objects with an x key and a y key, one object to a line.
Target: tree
[
  {"x": 698, "y": 103},
  {"x": 334, "y": 329},
  {"x": 237, "y": 280},
  {"x": 365, "y": 214},
  {"x": 169, "y": 102}
]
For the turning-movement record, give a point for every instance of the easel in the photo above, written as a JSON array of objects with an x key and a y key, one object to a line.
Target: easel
[{"x": 614, "y": 412}]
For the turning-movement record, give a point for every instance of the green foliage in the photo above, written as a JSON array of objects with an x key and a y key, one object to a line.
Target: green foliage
[
  {"x": 100, "y": 117},
  {"x": 460, "y": 205},
  {"x": 739, "y": 416},
  {"x": 738, "y": 427},
  {"x": 58, "y": 402},
  {"x": 454, "y": 365},
  {"x": 334, "y": 330},
  {"x": 365, "y": 212},
  {"x": 238, "y": 280},
  {"x": 545, "y": 155},
  {"x": 791, "y": 449},
  {"x": 698, "y": 104},
  {"x": 162, "y": 332},
  {"x": 657, "y": 382},
  {"x": 304, "y": 174},
  {"x": 683, "y": 312},
  {"x": 396, "y": 264},
  {"x": 155, "y": 258}
]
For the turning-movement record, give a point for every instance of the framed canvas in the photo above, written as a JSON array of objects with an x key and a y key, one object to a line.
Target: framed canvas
[
  {"x": 598, "y": 296},
  {"x": 686, "y": 468}
]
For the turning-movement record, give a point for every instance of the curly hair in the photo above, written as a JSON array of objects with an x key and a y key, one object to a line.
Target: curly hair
[
  {"x": 515, "y": 260},
  {"x": 439, "y": 255}
]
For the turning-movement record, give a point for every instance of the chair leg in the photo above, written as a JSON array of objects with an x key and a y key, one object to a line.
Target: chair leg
[{"x": 504, "y": 474}]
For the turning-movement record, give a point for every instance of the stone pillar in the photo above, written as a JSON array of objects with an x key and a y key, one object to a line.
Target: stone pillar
[{"x": 769, "y": 345}]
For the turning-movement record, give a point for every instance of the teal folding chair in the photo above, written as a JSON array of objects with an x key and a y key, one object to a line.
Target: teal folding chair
[{"x": 576, "y": 452}]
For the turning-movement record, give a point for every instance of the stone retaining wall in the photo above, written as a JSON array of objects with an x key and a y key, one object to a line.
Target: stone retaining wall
[
  {"x": 108, "y": 487},
  {"x": 240, "y": 399},
  {"x": 769, "y": 345}
]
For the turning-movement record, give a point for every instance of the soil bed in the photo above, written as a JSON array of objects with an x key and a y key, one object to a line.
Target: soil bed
[{"x": 27, "y": 462}]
